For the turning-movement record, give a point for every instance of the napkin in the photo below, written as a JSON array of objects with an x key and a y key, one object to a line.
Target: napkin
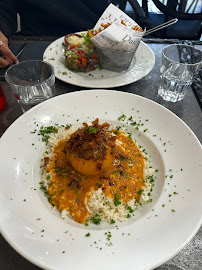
[
  {"x": 117, "y": 35},
  {"x": 116, "y": 44}
]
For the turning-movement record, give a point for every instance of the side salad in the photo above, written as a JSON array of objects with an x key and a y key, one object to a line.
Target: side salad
[{"x": 80, "y": 53}]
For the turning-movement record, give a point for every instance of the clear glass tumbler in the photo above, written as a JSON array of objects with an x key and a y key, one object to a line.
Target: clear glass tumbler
[
  {"x": 180, "y": 64},
  {"x": 31, "y": 82}
]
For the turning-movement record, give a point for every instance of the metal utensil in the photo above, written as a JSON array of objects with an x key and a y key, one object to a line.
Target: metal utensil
[{"x": 161, "y": 26}]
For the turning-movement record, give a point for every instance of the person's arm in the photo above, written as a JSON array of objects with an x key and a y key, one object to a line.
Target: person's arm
[
  {"x": 8, "y": 17},
  {"x": 8, "y": 27}
]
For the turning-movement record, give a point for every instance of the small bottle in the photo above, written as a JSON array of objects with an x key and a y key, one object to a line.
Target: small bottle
[{"x": 2, "y": 99}]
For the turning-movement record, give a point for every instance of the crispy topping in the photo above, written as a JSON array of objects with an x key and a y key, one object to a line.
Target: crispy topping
[{"x": 91, "y": 142}]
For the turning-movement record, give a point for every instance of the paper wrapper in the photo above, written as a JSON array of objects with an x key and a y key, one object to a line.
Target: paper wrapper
[{"x": 117, "y": 44}]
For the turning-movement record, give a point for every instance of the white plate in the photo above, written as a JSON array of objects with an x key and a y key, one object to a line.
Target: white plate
[
  {"x": 143, "y": 242},
  {"x": 141, "y": 65}
]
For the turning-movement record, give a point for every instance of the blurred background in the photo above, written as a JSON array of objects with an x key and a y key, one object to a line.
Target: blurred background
[{"x": 189, "y": 13}]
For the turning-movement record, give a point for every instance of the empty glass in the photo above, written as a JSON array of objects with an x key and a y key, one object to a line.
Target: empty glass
[
  {"x": 31, "y": 81},
  {"x": 180, "y": 65}
]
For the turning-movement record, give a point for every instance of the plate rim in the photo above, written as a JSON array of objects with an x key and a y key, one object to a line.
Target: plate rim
[{"x": 101, "y": 90}]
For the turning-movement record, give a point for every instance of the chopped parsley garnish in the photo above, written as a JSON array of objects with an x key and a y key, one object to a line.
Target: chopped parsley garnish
[
  {"x": 116, "y": 200},
  {"x": 96, "y": 220},
  {"x": 122, "y": 117},
  {"x": 109, "y": 235},
  {"x": 42, "y": 187},
  {"x": 87, "y": 235},
  {"x": 44, "y": 131},
  {"x": 86, "y": 224},
  {"x": 130, "y": 209},
  {"x": 134, "y": 123},
  {"x": 150, "y": 178},
  {"x": 140, "y": 191},
  {"x": 130, "y": 118},
  {"x": 58, "y": 170},
  {"x": 93, "y": 130}
]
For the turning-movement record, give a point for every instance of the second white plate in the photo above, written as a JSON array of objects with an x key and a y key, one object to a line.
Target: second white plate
[{"x": 141, "y": 65}]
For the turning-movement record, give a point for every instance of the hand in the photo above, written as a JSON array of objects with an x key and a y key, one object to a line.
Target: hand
[{"x": 8, "y": 57}]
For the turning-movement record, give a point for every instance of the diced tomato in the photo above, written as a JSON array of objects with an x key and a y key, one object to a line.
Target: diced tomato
[
  {"x": 81, "y": 57},
  {"x": 80, "y": 51},
  {"x": 84, "y": 61},
  {"x": 94, "y": 56},
  {"x": 79, "y": 63},
  {"x": 72, "y": 47}
]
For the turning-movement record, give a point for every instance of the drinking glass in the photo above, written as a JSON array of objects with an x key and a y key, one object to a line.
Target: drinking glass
[
  {"x": 180, "y": 64},
  {"x": 31, "y": 82}
]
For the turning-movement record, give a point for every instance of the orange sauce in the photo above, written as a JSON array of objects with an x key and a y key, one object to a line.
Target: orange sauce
[{"x": 125, "y": 177}]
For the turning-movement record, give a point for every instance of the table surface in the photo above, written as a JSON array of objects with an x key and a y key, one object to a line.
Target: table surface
[{"x": 190, "y": 258}]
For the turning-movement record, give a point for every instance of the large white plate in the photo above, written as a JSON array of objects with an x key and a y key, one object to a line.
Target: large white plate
[
  {"x": 141, "y": 65},
  {"x": 143, "y": 242}
]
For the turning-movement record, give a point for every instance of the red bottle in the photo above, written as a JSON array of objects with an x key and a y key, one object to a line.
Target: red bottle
[{"x": 2, "y": 99}]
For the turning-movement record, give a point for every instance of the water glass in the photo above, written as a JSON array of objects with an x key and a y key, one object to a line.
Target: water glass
[
  {"x": 180, "y": 64},
  {"x": 31, "y": 82}
]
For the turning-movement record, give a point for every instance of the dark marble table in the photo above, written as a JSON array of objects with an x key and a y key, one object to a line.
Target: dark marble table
[{"x": 190, "y": 258}]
